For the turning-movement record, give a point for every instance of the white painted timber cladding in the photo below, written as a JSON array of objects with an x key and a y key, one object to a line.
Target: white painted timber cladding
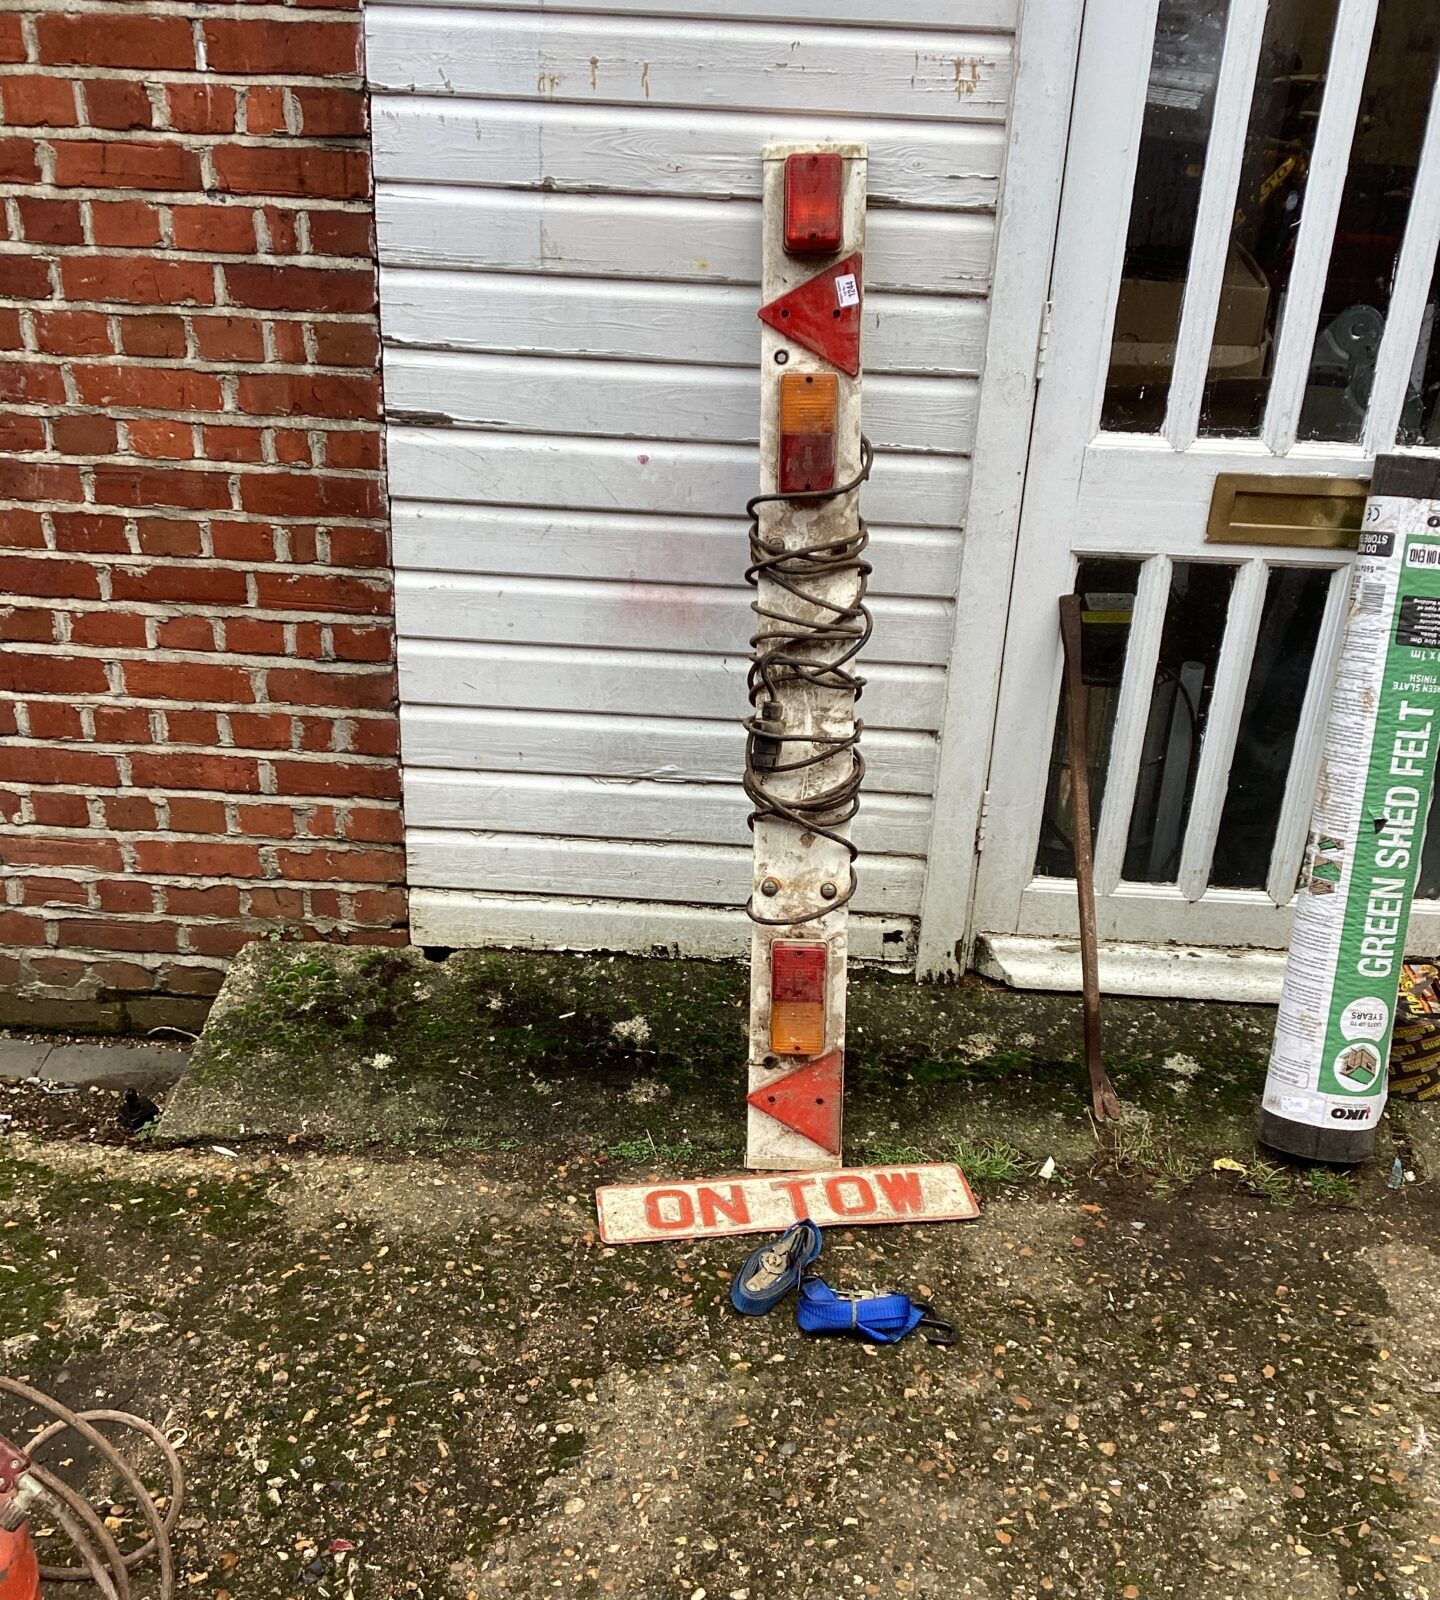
[{"x": 569, "y": 222}]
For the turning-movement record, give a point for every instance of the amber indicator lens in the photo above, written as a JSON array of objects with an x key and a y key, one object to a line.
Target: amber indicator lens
[
  {"x": 808, "y": 403},
  {"x": 814, "y": 187},
  {"x": 797, "y": 998}
]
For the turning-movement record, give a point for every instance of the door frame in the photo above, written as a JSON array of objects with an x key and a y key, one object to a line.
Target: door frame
[
  {"x": 1047, "y": 960},
  {"x": 1047, "y": 45}
]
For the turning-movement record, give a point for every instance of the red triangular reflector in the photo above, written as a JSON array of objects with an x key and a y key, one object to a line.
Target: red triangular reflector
[
  {"x": 807, "y": 1100},
  {"x": 823, "y": 314}
]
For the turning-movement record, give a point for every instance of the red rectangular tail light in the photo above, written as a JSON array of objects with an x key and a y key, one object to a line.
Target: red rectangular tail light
[
  {"x": 808, "y": 405},
  {"x": 797, "y": 998},
  {"x": 814, "y": 189}
]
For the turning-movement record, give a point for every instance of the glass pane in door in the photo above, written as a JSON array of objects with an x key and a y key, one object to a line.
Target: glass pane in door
[
  {"x": 1179, "y": 103},
  {"x": 1374, "y": 209},
  {"x": 1108, "y": 590},
  {"x": 1420, "y": 418},
  {"x": 1279, "y": 144},
  {"x": 1427, "y": 882},
  {"x": 1195, "y": 616},
  {"x": 1279, "y": 676}
]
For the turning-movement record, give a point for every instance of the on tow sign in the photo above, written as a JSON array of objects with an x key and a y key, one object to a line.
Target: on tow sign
[{"x": 640, "y": 1213}]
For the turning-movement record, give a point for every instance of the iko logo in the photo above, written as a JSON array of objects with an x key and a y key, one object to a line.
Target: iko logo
[{"x": 1350, "y": 1113}]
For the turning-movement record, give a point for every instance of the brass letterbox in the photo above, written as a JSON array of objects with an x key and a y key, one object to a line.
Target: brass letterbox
[{"x": 1317, "y": 513}]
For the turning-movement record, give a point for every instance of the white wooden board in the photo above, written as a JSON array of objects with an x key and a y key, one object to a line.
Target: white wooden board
[
  {"x": 459, "y": 919},
  {"x": 650, "y": 400},
  {"x": 616, "y": 318},
  {"x": 444, "y": 672},
  {"x": 596, "y": 544},
  {"x": 638, "y": 746},
  {"x": 611, "y": 869},
  {"x": 604, "y": 808},
  {"x": 473, "y": 466},
  {"x": 655, "y": 616},
  {"x": 716, "y": 63},
  {"x": 569, "y": 230},
  {"x": 936, "y": 15},
  {"x": 1178, "y": 972},
  {"x": 626, "y": 236},
  {"x": 944, "y": 166}
]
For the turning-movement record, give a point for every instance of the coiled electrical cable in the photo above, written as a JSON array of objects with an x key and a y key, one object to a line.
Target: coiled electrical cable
[
  {"x": 104, "y": 1564},
  {"x": 786, "y": 650}
]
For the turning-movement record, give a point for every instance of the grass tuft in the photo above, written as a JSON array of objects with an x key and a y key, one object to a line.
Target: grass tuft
[
  {"x": 1330, "y": 1188},
  {"x": 647, "y": 1150},
  {"x": 1272, "y": 1183},
  {"x": 1136, "y": 1152},
  {"x": 891, "y": 1153},
  {"x": 993, "y": 1161}
]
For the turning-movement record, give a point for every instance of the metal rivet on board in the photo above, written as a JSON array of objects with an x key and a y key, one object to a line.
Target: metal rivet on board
[
  {"x": 770, "y": 888},
  {"x": 781, "y": 357},
  {"x": 828, "y": 891}
]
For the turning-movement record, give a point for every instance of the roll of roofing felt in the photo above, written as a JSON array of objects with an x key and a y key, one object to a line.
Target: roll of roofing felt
[{"x": 1326, "y": 1085}]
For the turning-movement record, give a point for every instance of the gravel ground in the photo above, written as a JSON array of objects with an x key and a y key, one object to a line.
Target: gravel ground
[{"x": 408, "y": 1374}]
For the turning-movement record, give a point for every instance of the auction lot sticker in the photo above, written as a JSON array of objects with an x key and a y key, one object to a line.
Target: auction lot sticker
[{"x": 766, "y": 1202}]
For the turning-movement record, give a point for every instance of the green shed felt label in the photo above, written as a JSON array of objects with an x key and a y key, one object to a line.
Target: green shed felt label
[{"x": 1357, "y": 880}]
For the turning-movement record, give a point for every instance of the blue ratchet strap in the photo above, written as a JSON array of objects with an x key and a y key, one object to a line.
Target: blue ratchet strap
[
  {"x": 881, "y": 1318},
  {"x": 772, "y": 1271}
]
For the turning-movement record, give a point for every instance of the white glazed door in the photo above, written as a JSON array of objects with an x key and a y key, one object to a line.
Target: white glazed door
[{"x": 1243, "y": 283}]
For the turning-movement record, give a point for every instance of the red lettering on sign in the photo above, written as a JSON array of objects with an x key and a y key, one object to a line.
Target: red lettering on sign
[
  {"x": 864, "y": 1195},
  {"x": 901, "y": 1189},
  {"x": 684, "y": 1205},
  {"x": 795, "y": 1188},
  {"x": 713, "y": 1203}
]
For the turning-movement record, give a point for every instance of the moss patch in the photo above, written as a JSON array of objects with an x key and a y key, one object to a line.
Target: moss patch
[{"x": 386, "y": 1047}]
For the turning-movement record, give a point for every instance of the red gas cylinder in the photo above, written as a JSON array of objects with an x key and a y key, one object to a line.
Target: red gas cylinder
[{"x": 19, "y": 1570}]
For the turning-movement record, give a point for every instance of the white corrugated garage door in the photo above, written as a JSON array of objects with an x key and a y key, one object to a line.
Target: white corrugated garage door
[{"x": 569, "y": 235}]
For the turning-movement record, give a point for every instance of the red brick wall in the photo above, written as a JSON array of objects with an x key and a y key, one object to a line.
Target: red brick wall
[{"x": 196, "y": 689}]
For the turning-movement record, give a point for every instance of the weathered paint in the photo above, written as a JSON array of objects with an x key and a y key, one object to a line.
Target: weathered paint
[
  {"x": 792, "y": 862},
  {"x": 569, "y": 233},
  {"x": 643, "y": 1213}
]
